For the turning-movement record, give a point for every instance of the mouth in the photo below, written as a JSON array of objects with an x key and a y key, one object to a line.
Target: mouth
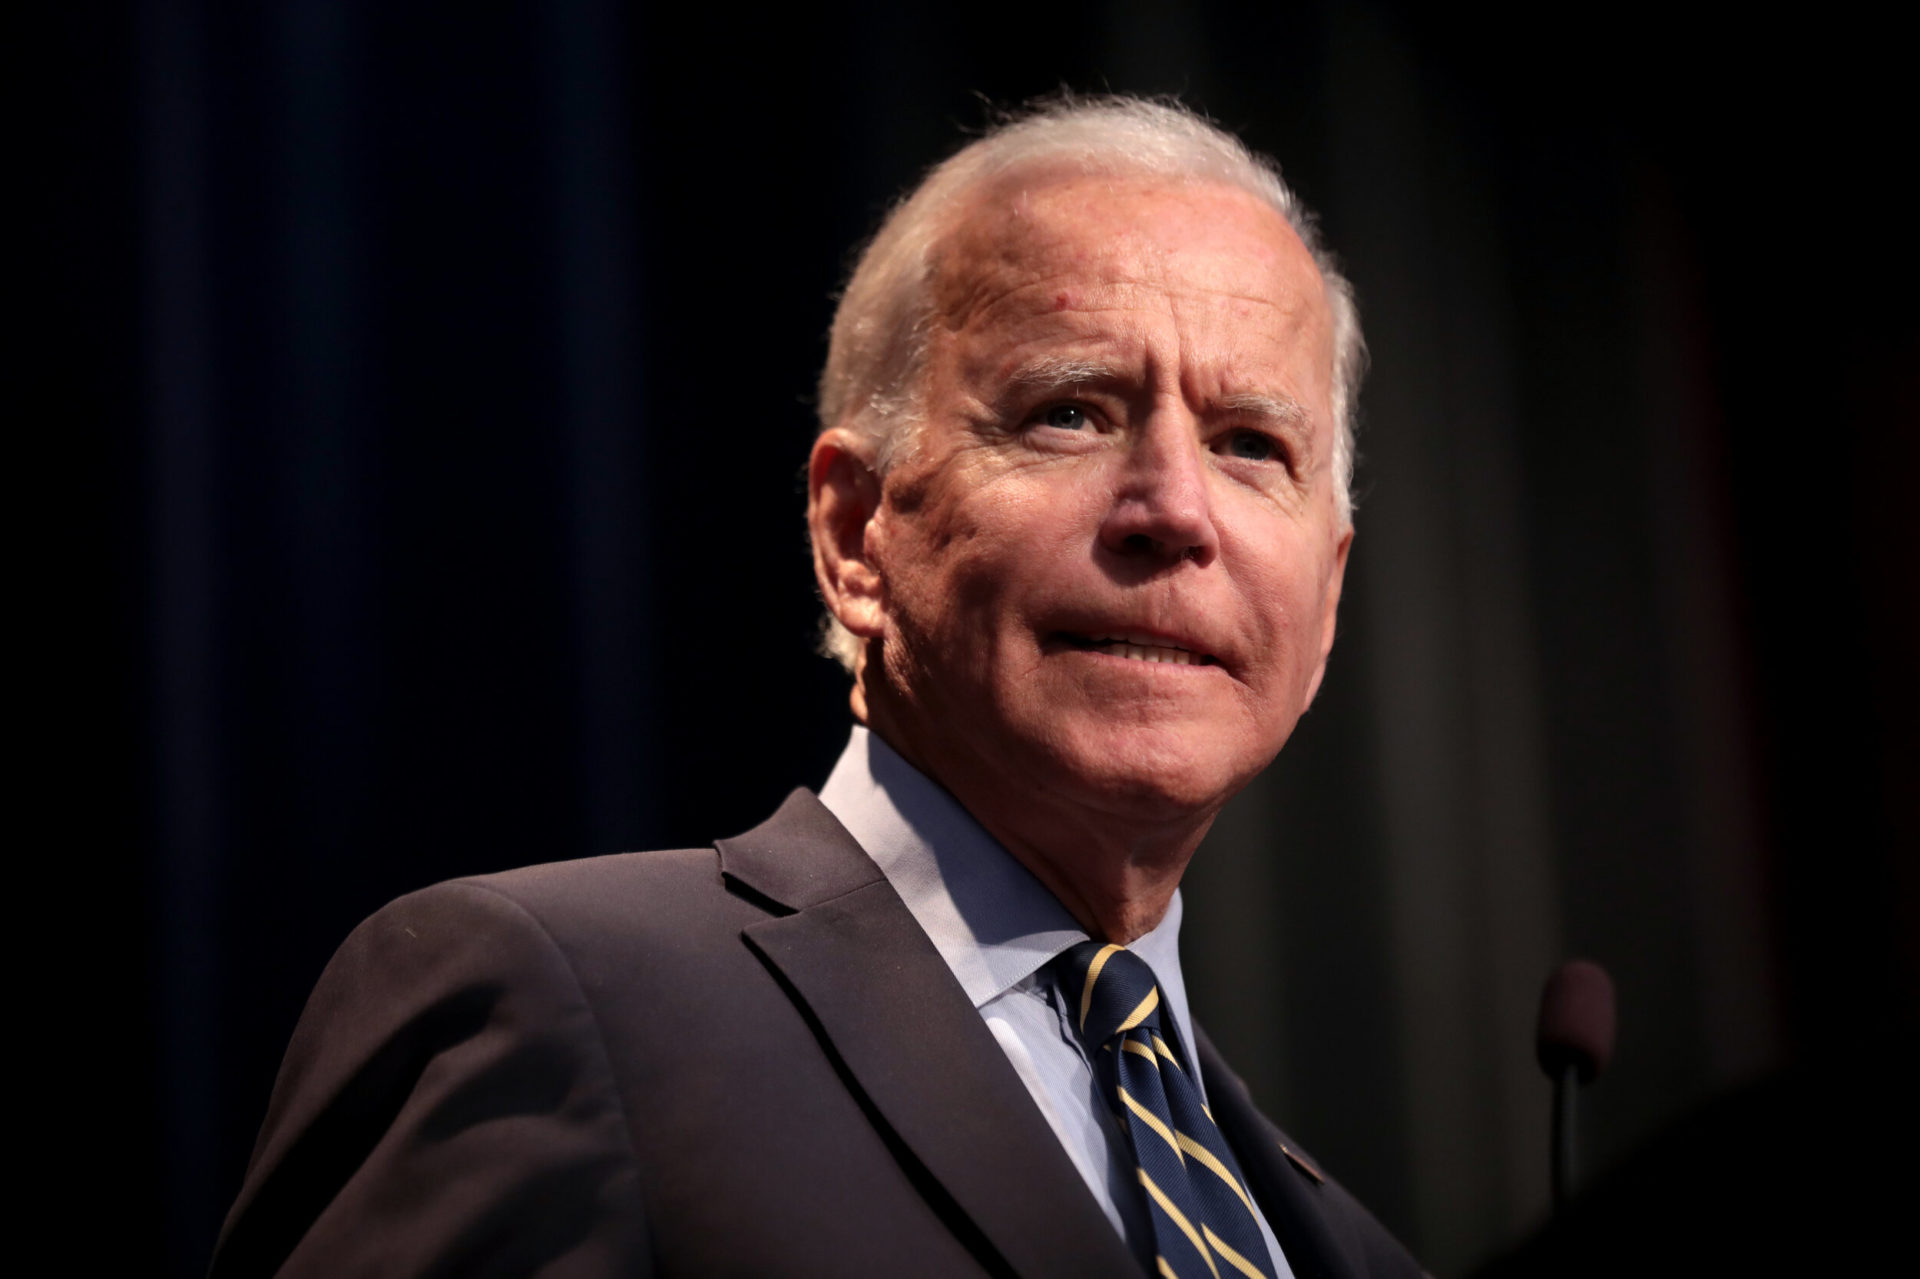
[{"x": 1135, "y": 647}]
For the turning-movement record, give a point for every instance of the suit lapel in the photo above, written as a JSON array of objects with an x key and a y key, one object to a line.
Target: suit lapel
[
  {"x": 1289, "y": 1194},
  {"x": 885, "y": 1004}
]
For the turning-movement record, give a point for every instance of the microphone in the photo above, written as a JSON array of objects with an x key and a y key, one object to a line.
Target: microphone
[{"x": 1574, "y": 1042}]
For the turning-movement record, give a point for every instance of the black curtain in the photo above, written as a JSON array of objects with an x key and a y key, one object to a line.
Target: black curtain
[{"x": 436, "y": 381}]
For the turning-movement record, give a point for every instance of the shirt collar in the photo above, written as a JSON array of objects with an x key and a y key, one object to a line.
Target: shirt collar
[{"x": 992, "y": 922}]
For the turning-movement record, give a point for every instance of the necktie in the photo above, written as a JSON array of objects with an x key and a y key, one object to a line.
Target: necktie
[{"x": 1203, "y": 1218}]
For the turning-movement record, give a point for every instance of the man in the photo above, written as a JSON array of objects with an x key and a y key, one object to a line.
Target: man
[{"x": 1079, "y": 516}]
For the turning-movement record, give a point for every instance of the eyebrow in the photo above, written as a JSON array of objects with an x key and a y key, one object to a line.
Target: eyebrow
[
  {"x": 1058, "y": 373},
  {"x": 1061, "y": 373},
  {"x": 1279, "y": 410}
]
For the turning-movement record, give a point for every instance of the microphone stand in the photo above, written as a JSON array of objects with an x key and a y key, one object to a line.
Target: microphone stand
[{"x": 1566, "y": 1094}]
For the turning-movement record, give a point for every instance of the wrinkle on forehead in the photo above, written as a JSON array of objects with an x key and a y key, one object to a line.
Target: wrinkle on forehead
[
  {"x": 1067, "y": 296},
  {"x": 1024, "y": 331}
]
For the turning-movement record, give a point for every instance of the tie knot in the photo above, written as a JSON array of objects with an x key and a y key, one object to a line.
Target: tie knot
[{"x": 1110, "y": 990}]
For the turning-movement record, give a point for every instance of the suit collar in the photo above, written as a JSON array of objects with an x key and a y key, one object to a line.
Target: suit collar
[
  {"x": 910, "y": 1042},
  {"x": 992, "y": 922},
  {"x": 799, "y": 857}
]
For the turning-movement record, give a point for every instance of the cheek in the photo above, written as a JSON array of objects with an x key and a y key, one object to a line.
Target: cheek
[
  {"x": 950, "y": 570},
  {"x": 996, "y": 545},
  {"x": 1286, "y": 599},
  {"x": 993, "y": 577}
]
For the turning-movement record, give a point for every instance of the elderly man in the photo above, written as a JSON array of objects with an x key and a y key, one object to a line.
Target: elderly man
[{"x": 1079, "y": 517}]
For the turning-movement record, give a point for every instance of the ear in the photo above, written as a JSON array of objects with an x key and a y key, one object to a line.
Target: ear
[
  {"x": 1331, "y": 612},
  {"x": 843, "y": 494}
]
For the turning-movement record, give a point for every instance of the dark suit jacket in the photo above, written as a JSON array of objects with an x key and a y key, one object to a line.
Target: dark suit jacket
[{"x": 740, "y": 1060}]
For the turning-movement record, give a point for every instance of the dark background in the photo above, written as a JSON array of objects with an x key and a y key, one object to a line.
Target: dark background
[{"x": 431, "y": 382}]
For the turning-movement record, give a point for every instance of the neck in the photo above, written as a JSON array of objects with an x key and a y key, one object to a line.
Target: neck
[
  {"x": 1114, "y": 872},
  {"x": 1116, "y": 896}
]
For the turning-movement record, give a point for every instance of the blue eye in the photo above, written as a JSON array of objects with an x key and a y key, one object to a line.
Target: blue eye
[
  {"x": 1068, "y": 417},
  {"x": 1251, "y": 445}
]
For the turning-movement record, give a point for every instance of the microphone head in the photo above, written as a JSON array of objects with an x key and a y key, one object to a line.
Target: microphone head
[{"x": 1576, "y": 1020}]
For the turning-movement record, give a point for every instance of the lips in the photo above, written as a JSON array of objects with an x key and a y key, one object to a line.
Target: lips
[{"x": 1136, "y": 646}]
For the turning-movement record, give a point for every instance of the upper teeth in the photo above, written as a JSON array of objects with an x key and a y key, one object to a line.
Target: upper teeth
[{"x": 1135, "y": 651}]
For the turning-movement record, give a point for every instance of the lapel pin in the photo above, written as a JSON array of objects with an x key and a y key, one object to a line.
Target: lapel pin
[{"x": 1303, "y": 1164}]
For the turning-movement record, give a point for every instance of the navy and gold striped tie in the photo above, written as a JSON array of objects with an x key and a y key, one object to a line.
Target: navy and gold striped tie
[{"x": 1203, "y": 1218}]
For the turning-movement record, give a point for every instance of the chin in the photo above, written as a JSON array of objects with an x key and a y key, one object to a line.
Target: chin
[{"x": 1153, "y": 775}]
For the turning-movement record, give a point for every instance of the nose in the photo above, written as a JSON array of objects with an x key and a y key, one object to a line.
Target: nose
[{"x": 1161, "y": 508}]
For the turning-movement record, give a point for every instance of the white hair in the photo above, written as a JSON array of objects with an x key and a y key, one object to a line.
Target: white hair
[{"x": 877, "y": 350}]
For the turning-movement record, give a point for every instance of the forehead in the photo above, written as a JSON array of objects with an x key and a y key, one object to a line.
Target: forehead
[
  {"x": 1090, "y": 256},
  {"x": 1121, "y": 235}
]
